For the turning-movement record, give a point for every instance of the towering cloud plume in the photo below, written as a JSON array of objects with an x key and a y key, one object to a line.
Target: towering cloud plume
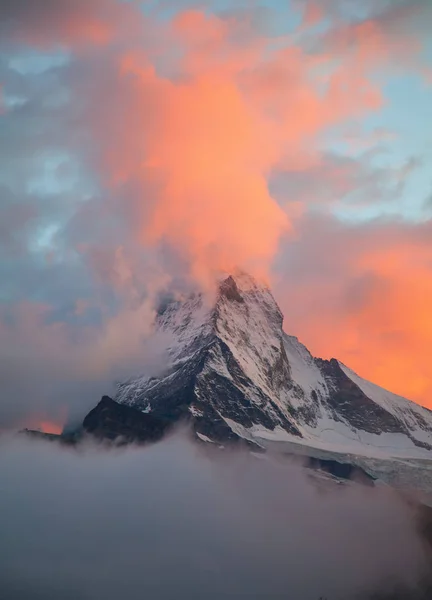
[
  {"x": 233, "y": 110},
  {"x": 145, "y": 145},
  {"x": 197, "y": 131}
]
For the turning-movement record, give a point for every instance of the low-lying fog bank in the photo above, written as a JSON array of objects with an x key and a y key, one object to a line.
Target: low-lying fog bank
[{"x": 171, "y": 521}]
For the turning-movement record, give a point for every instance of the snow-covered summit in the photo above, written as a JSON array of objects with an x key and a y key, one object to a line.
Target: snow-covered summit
[{"x": 234, "y": 374}]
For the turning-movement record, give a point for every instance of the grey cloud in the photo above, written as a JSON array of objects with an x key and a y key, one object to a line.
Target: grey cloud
[
  {"x": 388, "y": 12},
  {"x": 346, "y": 182},
  {"x": 67, "y": 245},
  {"x": 57, "y": 366},
  {"x": 170, "y": 521},
  {"x": 44, "y": 16}
]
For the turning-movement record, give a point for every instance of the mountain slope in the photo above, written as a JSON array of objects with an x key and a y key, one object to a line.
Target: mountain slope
[{"x": 235, "y": 374}]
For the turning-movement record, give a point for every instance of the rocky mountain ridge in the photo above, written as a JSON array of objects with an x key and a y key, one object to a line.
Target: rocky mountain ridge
[{"x": 235, "y": 375}]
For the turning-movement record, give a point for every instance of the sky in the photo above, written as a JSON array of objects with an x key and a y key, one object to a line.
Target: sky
[{"x": 146, "y": 146}]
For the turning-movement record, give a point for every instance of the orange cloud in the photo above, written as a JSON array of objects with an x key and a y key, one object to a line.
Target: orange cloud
[
  {"x": 46, "y": 426},
  {"x": 50, "y": 427},
  {"x": 365, "y": 298},
  {"x": 199, "y": 135},
  {"x": 395, "y": 325},
  {"x": 198, "y": 122}
]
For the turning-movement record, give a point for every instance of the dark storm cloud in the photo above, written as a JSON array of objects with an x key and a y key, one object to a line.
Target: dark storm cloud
[{"x": 170, "y": 522}]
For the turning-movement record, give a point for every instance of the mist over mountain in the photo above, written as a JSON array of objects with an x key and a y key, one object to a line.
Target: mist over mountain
[{"x": 175, "y": 521}]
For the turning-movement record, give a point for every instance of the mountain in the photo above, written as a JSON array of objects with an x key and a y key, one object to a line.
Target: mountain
[
  {"x": 112, "y": 421},
  {"x": 235, "y": 375}
]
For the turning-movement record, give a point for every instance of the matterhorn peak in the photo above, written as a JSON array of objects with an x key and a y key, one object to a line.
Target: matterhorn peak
[
  {"x": 244, "y": 280},
  {"x": 234, "y": 374},
  {"x": 251, "y": 292}
]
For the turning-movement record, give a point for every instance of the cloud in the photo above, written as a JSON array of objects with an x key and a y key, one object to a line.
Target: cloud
[
  {"x": 172, "y": 520},
  {"x": 13, "y": 217},
  {"x": 214, "y": 123},
  {"x": 50, "y": 22},
  {"x": 362, "y": 294},
  {"x": 356, "y": 186},
  {"x": 55, "y": 371},
  {"x": 144, "y": 150},
  {"x": 213, "y": 126},
  {"x": 384, "y": 36}
]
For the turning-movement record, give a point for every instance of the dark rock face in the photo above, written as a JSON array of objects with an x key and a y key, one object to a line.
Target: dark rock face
[
  {"x": 229, "y": 289},
  {"x": 199, "y": 395},
  {"x": 341, "y": 470},
  {"x": 69, "y": 439},
  {"x": 347, "y": 400},
  {"x": 112, "y": 421},
  {"x": 36, "y": 434},
  {"x": 226, "y": 393}
]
